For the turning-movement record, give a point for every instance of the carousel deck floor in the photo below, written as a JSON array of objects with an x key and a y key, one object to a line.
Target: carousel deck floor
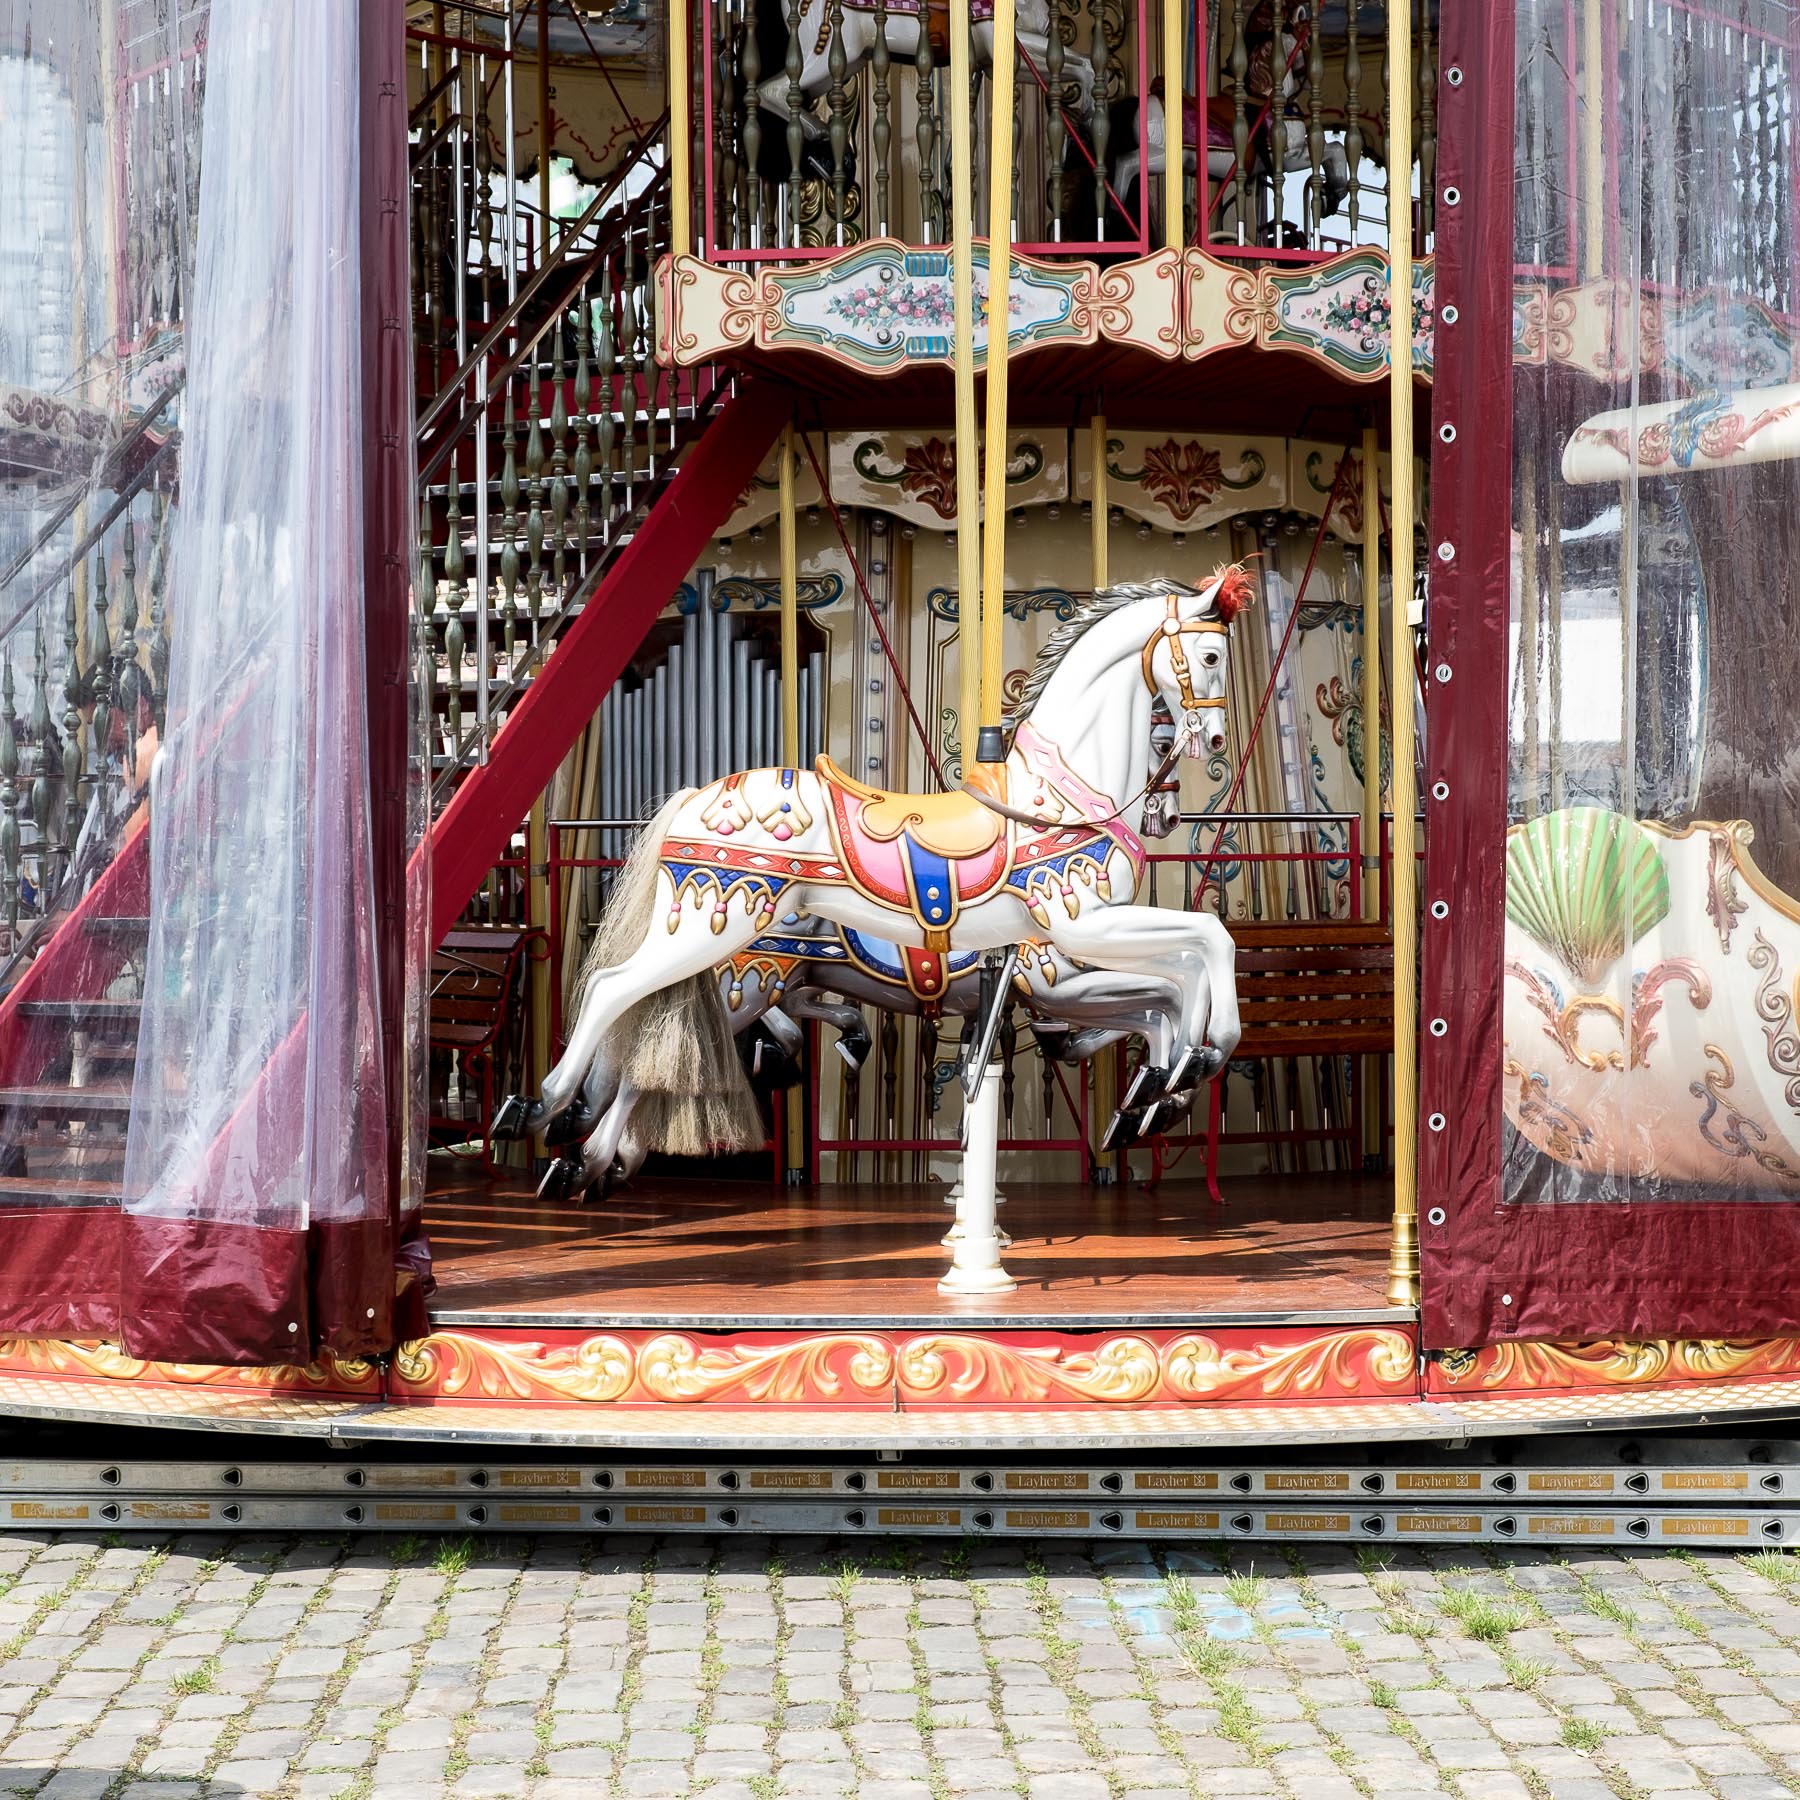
[{"x": 1300, "y": 1249}]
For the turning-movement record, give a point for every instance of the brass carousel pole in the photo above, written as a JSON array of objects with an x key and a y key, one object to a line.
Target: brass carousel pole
[
  {"x": 968, "y": 467},
  {"x": 537, "y": 832},
  {"x": 1174, "y": 129},
  {"x": 681, "y": 133},
  {"x": 1373, "y": 1074},
  {"x": 1105, "y": 1068},
  {"x": 1403, "y": 1254},
  {"x": 793, "y": 1149},
  {"x": 991, "y": 747}
]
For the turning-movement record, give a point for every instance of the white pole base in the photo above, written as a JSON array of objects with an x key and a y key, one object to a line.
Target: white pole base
[{"x": 976, "y": 1240}]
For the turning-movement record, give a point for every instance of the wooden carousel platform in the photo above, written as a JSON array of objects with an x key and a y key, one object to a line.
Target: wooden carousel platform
[{"x": 1283, "y": 1250}]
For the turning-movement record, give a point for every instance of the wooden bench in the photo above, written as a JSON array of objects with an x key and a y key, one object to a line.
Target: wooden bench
[
  {"x": 1309, "y": 987},
  {"x": 478, "y": 1019}
]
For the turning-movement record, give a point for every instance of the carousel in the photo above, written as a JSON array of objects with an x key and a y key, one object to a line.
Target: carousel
[{"x": 869, "y": 745}]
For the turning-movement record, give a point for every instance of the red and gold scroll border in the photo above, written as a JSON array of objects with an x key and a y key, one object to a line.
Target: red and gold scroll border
[
  {"x": 90, "y": 1359},
  {"x": 1610, "y": 1363},
  {"x": 884, "y": 1370}
]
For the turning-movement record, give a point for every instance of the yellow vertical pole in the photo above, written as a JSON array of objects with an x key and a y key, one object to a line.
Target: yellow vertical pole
[
  {"x": 537, "y": 830},
  {"x": 1106, "y": 1087},
  {"x": 792, "y": 1151},
  {"x": 790, "y": 609},
  {"x": 1374, "y": 1072},
  {"x": 993, "y": 532},
  {"x": 968, "y": 462},
  {"x": 1403, "y": 1254},
  {"x": 681, "y": 133},
  {"x": 1174, "y": 124}
]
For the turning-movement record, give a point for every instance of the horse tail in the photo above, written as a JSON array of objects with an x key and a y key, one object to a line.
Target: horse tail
[{"x": 676, "y": 1047}]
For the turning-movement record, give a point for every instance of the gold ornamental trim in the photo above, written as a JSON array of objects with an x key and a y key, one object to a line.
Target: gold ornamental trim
[
  {"x": 94, "y": 1358},
  {"x": 930, "y": 1368},
  {"x": 1617, "y": 1362}
]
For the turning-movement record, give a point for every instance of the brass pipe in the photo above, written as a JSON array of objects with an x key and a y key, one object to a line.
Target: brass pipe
[
  {"x": 1403, "y": 1254},
  {"x": 1174, "y": 126},
  {"x": 681, "y": 134},
  {"x": 1374, "y": 1073},
  {"x": 968, "y": 465},
  {"x": 790, "y": 609},
  {"x": 990, "y": 748}
]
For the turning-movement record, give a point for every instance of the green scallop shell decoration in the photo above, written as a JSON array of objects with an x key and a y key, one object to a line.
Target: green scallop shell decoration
[{"x": 1580, "y": 881}]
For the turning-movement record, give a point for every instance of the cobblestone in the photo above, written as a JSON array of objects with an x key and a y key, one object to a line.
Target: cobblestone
[{"x": 195, "y": 1668}]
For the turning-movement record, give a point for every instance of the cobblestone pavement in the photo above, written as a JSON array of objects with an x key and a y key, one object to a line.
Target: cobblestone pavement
[{"x": 747, "y": 1670}]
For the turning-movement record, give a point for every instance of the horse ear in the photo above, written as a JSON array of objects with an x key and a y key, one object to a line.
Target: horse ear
[{"x": 1234, "y": 593}]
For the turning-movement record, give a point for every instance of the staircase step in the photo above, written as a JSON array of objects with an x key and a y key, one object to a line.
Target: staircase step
[
  {"x": 27, "y": 1193},
  {"x": 118, "y": 927},
  {"x": 83, "y": 1012},
  {"x": 110, "y": 1101}
]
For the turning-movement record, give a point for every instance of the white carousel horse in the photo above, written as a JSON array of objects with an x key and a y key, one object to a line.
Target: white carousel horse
[
  {"x": 902, "y": 32},
  {"x": 1051, "y": 852}
]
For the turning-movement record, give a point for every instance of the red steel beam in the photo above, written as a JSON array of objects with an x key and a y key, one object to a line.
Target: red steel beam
[{"x": 471, "y": 834}]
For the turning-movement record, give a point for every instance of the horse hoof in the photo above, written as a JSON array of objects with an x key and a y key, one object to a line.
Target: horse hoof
[
  {"x": 852, "y": 1054},
  {"x": 569, "y": 1127},
  {"x": 1121, "y": 1131},
  {"x": 1148, "y": 1082},
  {"x": 514, "y": 1120},
  {"x": 615, "y": 1177},
  {"x": 561, "y": 1181}
]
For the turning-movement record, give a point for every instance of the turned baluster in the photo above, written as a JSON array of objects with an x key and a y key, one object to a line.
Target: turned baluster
[
  {"x": 1353, "y": 131},
  {"x": 126, "y": 686},
  {"x": 534, "y": 514},
  {"x": 796, "y": 136},
  {"x": 1100, "y": 55},
  {"x": 882, "y": 132},
  {"x": 455, "y": 639},
  {"x": 628, "y": 380},
  {"x": 74, "y": 751},
  {"x": 509, "y": 534},
  {"x": 757, "y": 231},
  {"x": 608, "y": 426},
  {"x": 1240, "y": 119},
  {"x": 49, "y": 761},
  {"x": 838, "y": 112},
  {"x": 559, "y": 479},
  {"x": 100, "y": 667},
  {"x": 931, "y": 207},
  {"x": 425, "y": 621},
  {"x": 583, "y": 468}
]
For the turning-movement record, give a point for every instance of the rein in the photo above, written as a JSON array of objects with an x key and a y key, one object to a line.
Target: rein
[{"x": 1019, "y": 816}]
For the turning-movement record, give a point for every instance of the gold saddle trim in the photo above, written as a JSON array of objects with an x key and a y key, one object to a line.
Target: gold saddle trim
[{"x": 950, "y": 825}]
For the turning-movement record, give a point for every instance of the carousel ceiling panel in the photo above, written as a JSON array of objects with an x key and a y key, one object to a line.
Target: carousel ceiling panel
[{"x": 912, "y": 474}]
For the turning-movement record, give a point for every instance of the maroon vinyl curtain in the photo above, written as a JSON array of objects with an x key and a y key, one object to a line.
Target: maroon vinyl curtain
[{"x": 1612, "y": 930}]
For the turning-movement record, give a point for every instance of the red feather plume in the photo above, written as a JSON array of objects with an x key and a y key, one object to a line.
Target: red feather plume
[{"x": 1235, "y": 593}]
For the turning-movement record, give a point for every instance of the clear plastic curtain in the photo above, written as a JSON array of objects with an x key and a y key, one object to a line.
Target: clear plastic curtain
[
  {"x": 1653, "y": 870},
  {"x": 259, "y": 1097}
]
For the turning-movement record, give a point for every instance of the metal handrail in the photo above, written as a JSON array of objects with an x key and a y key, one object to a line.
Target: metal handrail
[{"x": 551, "y": 264}]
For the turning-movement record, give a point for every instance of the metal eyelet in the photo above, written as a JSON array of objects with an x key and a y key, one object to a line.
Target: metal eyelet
[
  {"x": 1453, "y": 76},
  {"x": 1452, "y": 196},
  {"x": 1440, "y": 909},
  {"x": 1446, "y": 553},
  {"x": 1436, "y": 1216},
  {"x": 1437, "y": 1122},
  {"x": 1448, "y": 315},
  {"x": 1447, "y": 433},
  {"x": 1440, "y": 1027},
  {"x": 1441, "y": 672},
  {"x": 1440, "y": 790}
]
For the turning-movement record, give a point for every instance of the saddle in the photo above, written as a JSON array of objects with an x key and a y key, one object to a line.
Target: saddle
[{"x": 922, "y": 854}]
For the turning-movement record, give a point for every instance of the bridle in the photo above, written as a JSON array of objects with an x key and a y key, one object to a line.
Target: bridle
[{"x": 1171, "y": 631}]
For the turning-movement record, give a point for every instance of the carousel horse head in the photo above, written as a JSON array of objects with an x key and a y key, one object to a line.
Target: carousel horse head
[{"x": 1184, "y": 659}]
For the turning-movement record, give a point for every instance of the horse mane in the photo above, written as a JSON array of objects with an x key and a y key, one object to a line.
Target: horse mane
[{"x": 1235, "y": 592}]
